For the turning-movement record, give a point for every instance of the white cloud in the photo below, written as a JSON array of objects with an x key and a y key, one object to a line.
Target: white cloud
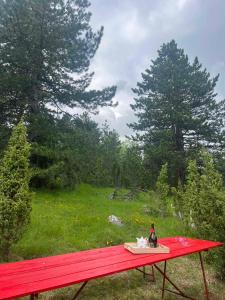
[
  {"x": 135, "y": 29},
  {"x": 132, "y": 29},
  {"x": 182, "y": 3},
  {"x": 171, "y": 18}
]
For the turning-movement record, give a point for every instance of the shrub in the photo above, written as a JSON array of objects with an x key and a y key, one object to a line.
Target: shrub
[
  {"x": 203, "y": 203},
  {"x": 162, "y": 188},
  {"x": 15, "y": 197},
  {"x": 178, "y": 199}
]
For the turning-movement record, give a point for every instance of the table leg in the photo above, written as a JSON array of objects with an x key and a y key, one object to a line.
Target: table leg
[
  {"x": 150, "y": 275},
  {"x": 79, "y": 291},
  {"x": 164, "y": 280},
  {"x": 204, "y": 277},
  {"x": 153, "y": 274},
  {"x": 165, "y": 277},
  {"x": 33, "y": 296},
  {"x": 144, "y": 272}
]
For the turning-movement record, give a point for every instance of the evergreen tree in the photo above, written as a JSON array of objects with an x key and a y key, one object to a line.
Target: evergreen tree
[
  {"x": 162, "y": 181},
  {"x": 176, "y": 108},
  {"x": 45, "y": 52},
  {"x": 131, "y": 166},
  {"x": 107, "y": 167},
  {"x": 80, "y": 148},
  {"x": 162, "y": 187},
  {"x": 178, "y": 199},
  {"x": 15, "y": 197},
  {"x": 190, "y": 201},
  {"x": 69, "y": 155},
  {"x": 209, "y": 211},
  {"x": 204, "y": 203}
]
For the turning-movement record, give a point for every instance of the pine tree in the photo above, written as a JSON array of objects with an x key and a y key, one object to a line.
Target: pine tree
[
  {"x": 162, "y": 187},
  {"x": 162, "y": 181},
  {"x": 15, "y": 197},
  {"x": 178, "y": 199},
  {"x": 204, "y": 203},
  {"x": 46, "y": 50},
  {"x": 176, "y": 108},
  {"x": 45, "y": 53},
  {"x": 210, "y": 207},
  {"x": 107, "y": 168},
  {"x": 131, "y": 166},
  {"x": 191, "y": 194}
]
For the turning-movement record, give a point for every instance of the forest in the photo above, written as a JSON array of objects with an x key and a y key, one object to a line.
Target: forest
[{"x": 174, "y": 155}]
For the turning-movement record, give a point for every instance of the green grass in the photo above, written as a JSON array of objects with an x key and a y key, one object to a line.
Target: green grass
[{"x": 67, "y": 221}]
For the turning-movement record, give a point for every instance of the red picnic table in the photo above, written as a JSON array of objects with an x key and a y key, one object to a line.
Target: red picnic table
[{"x": 31, "y": 277}]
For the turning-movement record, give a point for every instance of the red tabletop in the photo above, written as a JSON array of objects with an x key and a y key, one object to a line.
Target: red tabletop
[{"x": 43, "y": 274}]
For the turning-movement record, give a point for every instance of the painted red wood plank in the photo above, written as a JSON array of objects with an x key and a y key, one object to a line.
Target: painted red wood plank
[
  {"x": 33, "y": 262},
  {"x": 60, "y": 260},
  {"x": 40, "y": 286},
  {"x": 54, "y": 261},
  {"x": 80, "y": 264},
  {"x": 51, "y": 260},
  {"x": 64, "y": 270}
]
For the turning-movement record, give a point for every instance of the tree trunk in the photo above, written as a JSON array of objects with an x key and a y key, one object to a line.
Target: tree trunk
[{"x": 5, "y": 251}]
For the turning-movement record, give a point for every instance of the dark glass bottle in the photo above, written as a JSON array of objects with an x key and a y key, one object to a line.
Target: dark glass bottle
[{"x": 152, "y": 238}]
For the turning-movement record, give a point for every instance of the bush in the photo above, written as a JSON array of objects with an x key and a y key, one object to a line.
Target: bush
[
  {"x": 203, "y": 203},
  {"x": 178, "y": 199},
  {"x": 162, "y": 188},
  {"x": 15, "y": 197}
]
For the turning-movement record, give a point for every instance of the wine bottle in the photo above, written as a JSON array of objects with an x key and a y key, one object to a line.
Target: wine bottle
[{"x": 152, "y": 238}]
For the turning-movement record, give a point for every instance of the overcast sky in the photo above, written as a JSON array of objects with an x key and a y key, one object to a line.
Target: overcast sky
[{"x": 135, "y": 29}]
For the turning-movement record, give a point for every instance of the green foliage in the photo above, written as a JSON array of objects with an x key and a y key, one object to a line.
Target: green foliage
[
  {"x": 69, "y": 154},
  {"x": 45, "y": 53},
  {"x": 107, "y": 171},
  {"x": 177, "y": 111},
  {"x": 191, "y": 194},
  {"x": 203, "y": 202},
  {"x": 131, "y": 166},
  {"x": 15, "y": 197},
  {"x": 43, "y": 45},
  {"x": 162, "y": 187},
  {"x": 77, "y": 151},
  {"x": 178, "y": 199}
]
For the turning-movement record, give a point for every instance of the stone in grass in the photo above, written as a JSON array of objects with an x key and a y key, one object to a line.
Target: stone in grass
[
  {"x": 115, "y": 220},
  {"x": 114, "y": 195}
]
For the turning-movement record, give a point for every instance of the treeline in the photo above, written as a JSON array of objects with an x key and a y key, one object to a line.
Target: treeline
[
  {"x": 75, "y": 150},
  {"x": 46, "y": 48}
]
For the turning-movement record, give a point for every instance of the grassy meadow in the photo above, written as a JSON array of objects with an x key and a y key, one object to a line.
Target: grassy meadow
[{"x": 68, "y": 221}]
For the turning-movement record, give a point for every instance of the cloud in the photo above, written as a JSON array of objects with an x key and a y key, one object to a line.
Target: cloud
[
  {"x": 135, "y": 29},
  {"x": 132, "y": 27}
]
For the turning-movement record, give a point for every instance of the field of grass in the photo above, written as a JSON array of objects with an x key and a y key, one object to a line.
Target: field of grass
[{"x": 68, "y": 221}]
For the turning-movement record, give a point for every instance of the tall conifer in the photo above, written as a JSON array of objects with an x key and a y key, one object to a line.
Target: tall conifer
[{"x": 176, "y": 109}]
